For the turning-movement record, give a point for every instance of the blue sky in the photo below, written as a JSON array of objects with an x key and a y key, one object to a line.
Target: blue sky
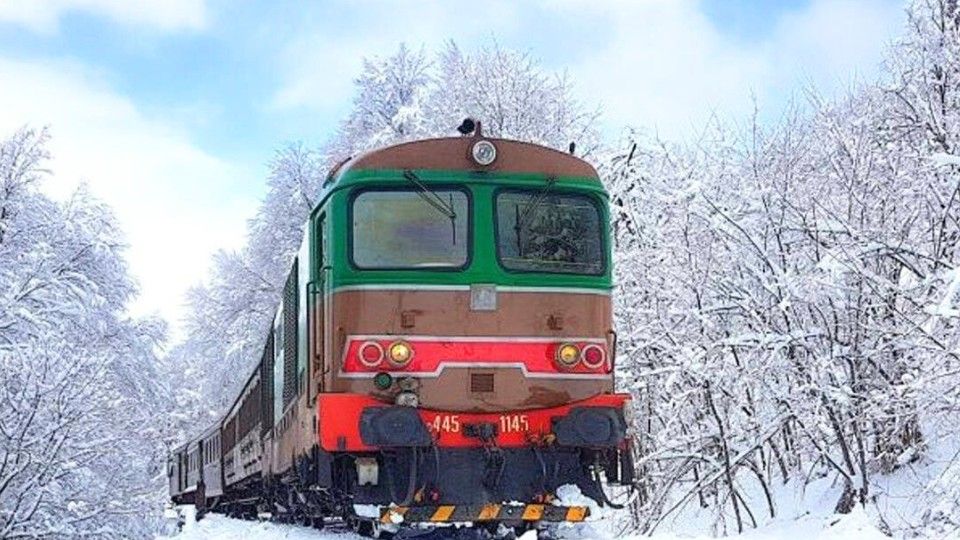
[{"x": 170, "y": 109}]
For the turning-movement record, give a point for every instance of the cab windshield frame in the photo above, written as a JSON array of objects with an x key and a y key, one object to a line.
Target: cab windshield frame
[
  {"x": 534, "y": 193},
  {"x": 445, "y": 187}
]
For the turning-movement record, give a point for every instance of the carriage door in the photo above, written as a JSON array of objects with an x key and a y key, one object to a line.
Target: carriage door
[{"x": 318, "y": 303}]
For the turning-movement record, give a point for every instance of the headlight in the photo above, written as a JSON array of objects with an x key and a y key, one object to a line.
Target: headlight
[
  {"x": 408, "y": 399},
  {"x": 568, "y": 355},
  {"x": 484, "y": 152},
  {"x": 593, "y": 356},
  {"x": 401, "y": 353},
  {"x": 370, "y": 354}
]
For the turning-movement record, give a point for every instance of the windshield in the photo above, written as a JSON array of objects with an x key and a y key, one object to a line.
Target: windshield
[
  {"x": 549, "y": 232},
  {"x": 404, "y": 229}
]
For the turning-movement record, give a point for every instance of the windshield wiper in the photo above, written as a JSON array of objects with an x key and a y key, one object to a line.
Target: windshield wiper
[
  {"x": 434, "y": 200},
  {"x": 522, "y": 216},
  {"x": 531, "y": 207},
  {"x": 430, "y": 197}
]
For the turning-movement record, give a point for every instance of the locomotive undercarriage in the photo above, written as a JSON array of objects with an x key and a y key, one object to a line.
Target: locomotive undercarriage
[
  {"x": 325, "y": 488},
  {"x": 474, "y": 475}
]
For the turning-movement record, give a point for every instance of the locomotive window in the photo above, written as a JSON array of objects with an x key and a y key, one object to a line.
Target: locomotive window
[
  {"x": 411, "y": 229},
  {"x": 539, "y": 231}
]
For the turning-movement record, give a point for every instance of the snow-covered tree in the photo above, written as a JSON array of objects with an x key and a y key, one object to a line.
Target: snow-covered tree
[
  {"x": 788, "y": 292},
  {"x": 231, "y": 313},
  {"x": 407, "y": 96},
  {"x": 80, "y": 445},
  {"x": 387, "y": 103},
  {"x": 512, "y": 96}
]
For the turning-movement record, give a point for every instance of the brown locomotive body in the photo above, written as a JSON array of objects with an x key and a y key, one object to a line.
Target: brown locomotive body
[{"x": 444, "y": 345}]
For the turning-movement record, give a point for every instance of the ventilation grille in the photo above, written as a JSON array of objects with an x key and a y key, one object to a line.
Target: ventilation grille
[
  {"x": 289, "y": 341},
  {"x": 249, "y": 411},
  {"x": 266, "y": 385},
  {"x": 481, "y": 382},
  {"x": 230, "y": 434}
]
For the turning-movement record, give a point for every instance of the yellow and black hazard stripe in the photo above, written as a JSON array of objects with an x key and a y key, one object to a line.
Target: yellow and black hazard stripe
[{"x": 487, "y": 512}]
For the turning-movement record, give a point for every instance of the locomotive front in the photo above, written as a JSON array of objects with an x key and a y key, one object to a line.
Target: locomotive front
[{"x": 464, "y": 325}]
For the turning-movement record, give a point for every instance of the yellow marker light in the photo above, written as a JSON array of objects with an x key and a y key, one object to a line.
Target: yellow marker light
[
  {"x": 568, "y": 355},
  {"x": 400, "y": 353}
]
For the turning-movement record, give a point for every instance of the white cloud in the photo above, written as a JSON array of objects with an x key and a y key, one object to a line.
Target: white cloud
[
  {"x": 44, "y": 15},
  {"x": 835, "y": 37},
  {"x": 660, "y": 64},
  {"x": 321, "y": 63},
  {"x": 176, "y": 203},
  {"x": 665, "y": 65}
]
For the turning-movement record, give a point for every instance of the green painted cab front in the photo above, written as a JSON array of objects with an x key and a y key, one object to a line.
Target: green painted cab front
[{"x": 483, "y": 266}]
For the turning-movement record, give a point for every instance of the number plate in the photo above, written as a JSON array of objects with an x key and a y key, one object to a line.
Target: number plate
[
  {"x": 445, "y": 423},
  {"x": 514, "y": 423},
  {"x": 507, "y": 423}
]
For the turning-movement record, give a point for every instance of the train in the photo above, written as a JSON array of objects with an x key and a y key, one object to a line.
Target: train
[{"x": 443, "y": 351}]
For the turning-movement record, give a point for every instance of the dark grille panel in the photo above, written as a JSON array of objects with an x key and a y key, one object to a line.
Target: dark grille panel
[
  {"x": 481, "y": 382},
  {"x": 249, "y": 411},
  {"x": 230, "y": 435},
  {"x": 290, "y": 312},
  {"x": 266, "y": 385}
]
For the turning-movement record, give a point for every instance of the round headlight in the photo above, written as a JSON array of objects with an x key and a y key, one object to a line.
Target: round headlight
[
  {"x": 370, "y": 354},
  {"x": 408, "y": 399},
  {"x": 484, "y": 152},
  {"x": 593, "y": 356},
  {"x": 401, "y": 353},
  {"x": 568, "y": 355}
]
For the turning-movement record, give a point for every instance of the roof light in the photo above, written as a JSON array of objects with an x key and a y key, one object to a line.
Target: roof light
[{"x": 484, "y": 152}]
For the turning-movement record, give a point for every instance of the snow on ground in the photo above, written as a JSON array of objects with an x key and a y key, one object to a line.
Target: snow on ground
[
  {"x": 855, "y": 526},
  {"x": 217, "y": 527},
  {"x": 803, "y": 512},
  {"x": 605, "y": 525},
  {"x": 809, "y": 519}
]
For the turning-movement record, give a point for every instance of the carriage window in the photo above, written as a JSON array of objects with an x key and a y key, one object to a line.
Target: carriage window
[
  {"x": 411, "y": 229},
  {"x": 538, "y": 231}
]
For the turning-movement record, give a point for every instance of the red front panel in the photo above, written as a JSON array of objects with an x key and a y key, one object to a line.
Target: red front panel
[
  {"x": 364, "y": 356},
  {"x": 338, "y": 416}
]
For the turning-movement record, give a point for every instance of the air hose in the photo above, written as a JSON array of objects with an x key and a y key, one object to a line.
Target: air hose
[{"x": 603, "y": 494}]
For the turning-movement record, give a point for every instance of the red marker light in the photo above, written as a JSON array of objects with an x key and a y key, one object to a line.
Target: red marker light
[
  {"x": 593, "y": 356},
  {"x": 370, "y": 354}
]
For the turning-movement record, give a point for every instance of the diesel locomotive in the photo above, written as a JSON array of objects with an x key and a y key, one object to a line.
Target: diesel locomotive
[{"x": 443, "y": 351}]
